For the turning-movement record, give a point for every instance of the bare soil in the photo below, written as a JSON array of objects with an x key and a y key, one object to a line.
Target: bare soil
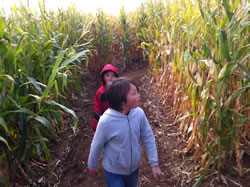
[{"x": 69, "y": 155}]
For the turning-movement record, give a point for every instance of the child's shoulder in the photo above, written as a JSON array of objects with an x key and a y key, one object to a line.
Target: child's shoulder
[
  {"x": 100, "y": 90},
  {"x": 105, "y": 117},
  {"x": 138, "y": 110}
]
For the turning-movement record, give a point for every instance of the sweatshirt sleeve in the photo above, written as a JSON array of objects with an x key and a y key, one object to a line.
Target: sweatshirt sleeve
[
  {"x": 97, "y": 111},
  {"x": 148, "y": 140},
  {"x": 96, "y": 146}
]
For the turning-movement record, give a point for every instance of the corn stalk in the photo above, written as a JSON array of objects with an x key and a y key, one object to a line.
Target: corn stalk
[
  {"x": 125, "y": 35},
  {"x": 38, "y": 61},
  {"x": 199, "y": 54}
]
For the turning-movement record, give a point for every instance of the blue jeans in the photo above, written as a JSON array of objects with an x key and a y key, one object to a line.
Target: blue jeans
[{"x": 115, "y": 180}]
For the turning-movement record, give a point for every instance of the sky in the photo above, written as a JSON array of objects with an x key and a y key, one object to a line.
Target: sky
[{"x": 109, "y": 6}]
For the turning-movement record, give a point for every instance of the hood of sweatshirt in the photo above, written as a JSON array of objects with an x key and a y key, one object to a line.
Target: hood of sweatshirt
[
  {"x": 115, "y": 113},
  {"x": 106, "y": 68}
]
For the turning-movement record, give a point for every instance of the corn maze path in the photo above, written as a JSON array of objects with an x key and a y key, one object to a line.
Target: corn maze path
[{"x": 69, "y": 155}]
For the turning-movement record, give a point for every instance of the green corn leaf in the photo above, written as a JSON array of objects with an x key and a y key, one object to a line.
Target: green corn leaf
[
  {"x": 12, "y": 88},
  {"x": 8, "y": 77},
  {"x": 206, "y": 49},
  {"x": 210, "y": 146},
  {"x": 3, "y": 48},
  {"x": 47, "y": 44},
  {"x": 14, "y": 102},
  {"x": 38, "y": 148},
  {"x": 22, "y": 100},
  {"x": 51, "y": 102},
  {"x": 211, "y": 31},
  {"x": 213, "y": 127},
  {"x": 65, "y": 78},
  {"x": 21, "y": 110},
  {"x": 235, "y": 28},
  {"x": 242, "y": 75},
  {"x": 240, "y": 52},
  {"x": 39, "y": 84},
  {"x": 244, "y": 68},
  {"x": 10, "y": 62},
  {"x": 5, "y": 142},
  {"x": 245, "y": 58},
  {"x": 22, "y": 122},
  {"x": 35, "y": 84},
  {"x": 19, "y": 29},
  {"x": 200, "y": 126},
  {"x": 45, "y": 122},
  {"x": 242, "y": 121},
  {"x": 46, "y": 33},
  {"x": 73, "y": 58},
  {"x": 44, "y": 146},
  {"x": 38, "y": 98},
  {"x": 53, "y": 73},
  {"x": 188, "y": 55},
  {"x": 234, "y": 96},
  {"x": 57, "y": 90},
  {"x": 20, "y": 46},
  {"x": 200, "y": 179},
  {"x": 226, "y": 5},
  {"x": 213, "y": 16},
  {"x": 224, "y": 45},
  {"x": 38, "y": 139},
  {"x": 57, "y": 117},
  {"x": 2, "y": 27},
  {"x": 146, "y": 44},
  {"x": 201, "y": 10},
  {"x": 14, "y": 10},
  {"x": 226, "y": 70},
  {"x": 3, "y": 124},
  {"x": 189, "y": 91},
  {"x": 233, "y": 21}
]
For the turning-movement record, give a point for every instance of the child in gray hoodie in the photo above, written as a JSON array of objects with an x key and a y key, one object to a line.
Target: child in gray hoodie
[{"x": 118, "y": 134}]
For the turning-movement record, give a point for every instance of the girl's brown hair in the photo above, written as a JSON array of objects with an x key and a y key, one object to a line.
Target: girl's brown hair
[{"x": 117, "y": 92}]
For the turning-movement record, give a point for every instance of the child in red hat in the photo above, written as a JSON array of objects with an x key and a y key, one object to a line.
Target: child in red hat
[{"x": 108, "y": 73}]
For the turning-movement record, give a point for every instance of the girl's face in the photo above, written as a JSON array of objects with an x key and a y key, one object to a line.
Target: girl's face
[
  {"x": 109, "y": 76},
  {"x": 133, "y": 98}
]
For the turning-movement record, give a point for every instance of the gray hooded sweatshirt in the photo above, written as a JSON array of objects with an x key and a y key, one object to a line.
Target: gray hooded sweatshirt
[{"x": 119, "y": 137}]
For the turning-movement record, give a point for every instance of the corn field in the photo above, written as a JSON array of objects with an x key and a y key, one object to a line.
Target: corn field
[
  {"x": 198, "y": 53},
  {"x": 40, "y": 58}
]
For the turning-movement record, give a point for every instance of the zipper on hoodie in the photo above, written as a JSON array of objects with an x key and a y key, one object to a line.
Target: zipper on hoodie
[{"x": 130, "y": 146}]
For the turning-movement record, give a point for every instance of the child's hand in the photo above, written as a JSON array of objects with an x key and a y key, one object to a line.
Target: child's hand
[
  {"x": 92, "y": 170},
  {"x": 157, "y": 172}
]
